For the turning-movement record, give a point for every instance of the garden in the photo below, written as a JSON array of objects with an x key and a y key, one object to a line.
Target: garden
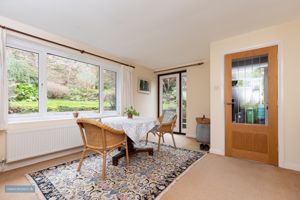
[{"x": 71, "y": 85}]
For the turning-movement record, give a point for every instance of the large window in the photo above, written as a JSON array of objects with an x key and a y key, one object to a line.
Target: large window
[
  {"x": 23, "y": 95},
  {"x": 71, "y": 85},
  {"x": 109, "y": 90},
  {"x": 45, "y": 80}
]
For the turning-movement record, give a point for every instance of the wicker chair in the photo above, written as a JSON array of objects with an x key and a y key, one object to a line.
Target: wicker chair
[
  {"x": 165, "y": 126},
  {"x": 101, "y": 139}
]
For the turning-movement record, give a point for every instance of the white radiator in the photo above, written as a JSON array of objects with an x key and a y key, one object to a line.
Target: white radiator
[{"x": 24, "y": 144}]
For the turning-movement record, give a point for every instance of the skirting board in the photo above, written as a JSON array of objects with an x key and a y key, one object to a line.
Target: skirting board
[
  {"x": 23, "y": 163},
  {"x": 291, "y": 166},
  {"x": 217, "y": 151},
  {"x": 191, "y": 136}
]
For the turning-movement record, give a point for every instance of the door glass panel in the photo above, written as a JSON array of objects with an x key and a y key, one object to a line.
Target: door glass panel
[
  {"x": 183, "y": 104},
  {"x": 250, "y": 90},
  {"x": 169, "y": 94}
]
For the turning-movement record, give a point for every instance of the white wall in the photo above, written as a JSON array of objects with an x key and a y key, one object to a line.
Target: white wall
[
  {"x": 288, "y": 37},
  {"x": 198, "y": 96},
  {"x": 146, "y": 104}
]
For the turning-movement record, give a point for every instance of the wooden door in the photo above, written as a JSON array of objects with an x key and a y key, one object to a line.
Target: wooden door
[{"x": 251, "y": 113}]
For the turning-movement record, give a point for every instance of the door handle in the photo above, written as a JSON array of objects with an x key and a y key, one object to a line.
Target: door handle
[{"x": 229, "y": 103}]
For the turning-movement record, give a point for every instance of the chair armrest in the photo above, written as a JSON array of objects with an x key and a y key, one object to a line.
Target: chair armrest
[
  {"x": 166, "y": 124},
  {"x": 166, "y": 127}
]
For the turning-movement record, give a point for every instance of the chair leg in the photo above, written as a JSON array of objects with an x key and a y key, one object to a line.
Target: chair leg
[
  {"x": 147, "y": 138},
  {"x": 173, "y": 140},
  {"x": 158, "y": 146},
  {"x": 81, "y": 160},
  {"x": 163, "y": 138},
  {"x": 127, "y": 154},
  {"x": 104, "y": 166}
]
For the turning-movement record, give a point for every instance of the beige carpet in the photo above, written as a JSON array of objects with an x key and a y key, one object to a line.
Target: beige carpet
[
  {"x": 222, "y": 178},
  {"x": 212, "y": 178}
]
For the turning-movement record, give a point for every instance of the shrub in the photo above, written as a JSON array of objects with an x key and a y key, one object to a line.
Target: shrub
[
  {"x": 56, "y": 91},
  {"x": 83, "y": 94},
  {"x": 28, "y": 92},
  {"x": 21, "y": 71}
]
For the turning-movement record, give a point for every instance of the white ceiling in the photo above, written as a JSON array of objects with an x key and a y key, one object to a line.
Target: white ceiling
[{"x": 152, "y": 33}]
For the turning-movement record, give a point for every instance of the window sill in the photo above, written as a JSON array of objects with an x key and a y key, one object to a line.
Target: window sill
[{"x": 55, "y": 117}]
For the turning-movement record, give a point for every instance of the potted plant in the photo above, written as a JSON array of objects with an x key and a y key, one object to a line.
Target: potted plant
[
  {"x": 75, "y": 114},
  {"x": 130, "y": 111}
]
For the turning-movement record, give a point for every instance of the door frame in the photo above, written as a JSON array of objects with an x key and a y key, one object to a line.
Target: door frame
[
  {"x": 279, "y": 135},
  {"x": 180, "y": 97}
]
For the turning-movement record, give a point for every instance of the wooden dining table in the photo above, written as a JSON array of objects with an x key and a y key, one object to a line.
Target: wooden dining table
[{"x": 135, "y": 129}]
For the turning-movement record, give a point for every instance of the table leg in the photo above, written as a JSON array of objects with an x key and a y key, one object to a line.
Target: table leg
[{"x": 131, "y": 150}]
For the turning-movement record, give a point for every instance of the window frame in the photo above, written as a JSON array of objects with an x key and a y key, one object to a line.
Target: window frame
[{"x": 43, "y": 50}]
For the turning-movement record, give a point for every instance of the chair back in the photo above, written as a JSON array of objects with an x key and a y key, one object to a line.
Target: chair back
[
  {"x": 167, "y": 121},
  {"x": 174, "y": 122},
  {"x": 99, "y": 136},
  {"x": 168, "y": 117}
]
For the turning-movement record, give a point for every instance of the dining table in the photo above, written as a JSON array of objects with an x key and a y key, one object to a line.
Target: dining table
[{"x": 135, "y": 128}]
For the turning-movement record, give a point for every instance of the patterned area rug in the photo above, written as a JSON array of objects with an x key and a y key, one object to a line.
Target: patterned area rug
[{"x": 144, "y": 178}]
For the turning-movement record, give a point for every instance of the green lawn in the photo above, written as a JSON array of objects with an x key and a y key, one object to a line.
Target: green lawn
[
  {"x": 62, "y": 105},
  {"x": 169, "y": 105},
  {"x": 54, "y": 105}
]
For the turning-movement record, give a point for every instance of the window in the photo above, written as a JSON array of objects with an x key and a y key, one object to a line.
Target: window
[
  {"x": 109, "y": 90},
  {"x": 23, "y": 95},
  {"x": 44, "y": 80},
  {"x": 71, "y": 85}
]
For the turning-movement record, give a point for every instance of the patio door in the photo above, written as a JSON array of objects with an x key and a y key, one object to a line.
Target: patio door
[
  {"x": 251, "y": 113},
  {"x": 172, "y": 97},
  {"x": 183, "y": 95}
]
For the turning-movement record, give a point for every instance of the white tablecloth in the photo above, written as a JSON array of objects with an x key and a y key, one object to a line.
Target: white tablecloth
[{"x": 135, "y": 128}]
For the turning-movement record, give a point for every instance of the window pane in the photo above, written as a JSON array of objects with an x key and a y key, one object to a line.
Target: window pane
[
  {"x": 183, "y": 102},
  {"x": 250, "y": 90},
  {"x": 23, "y": 84},
  {"x": 72, "y": 85},
  {"x": 109, "y": 90},
  {"x": 169, "y": 94}
]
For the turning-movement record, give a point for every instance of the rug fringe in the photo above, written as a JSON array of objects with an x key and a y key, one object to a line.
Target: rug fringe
[
  {"x": 37, "y": 189},
  {"x": 177, "y": 178}
]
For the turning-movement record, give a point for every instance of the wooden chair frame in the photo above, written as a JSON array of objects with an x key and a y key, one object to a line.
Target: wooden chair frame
[
  {"x": 102, "y": 148},
  {"x": 163, "y": 129}
]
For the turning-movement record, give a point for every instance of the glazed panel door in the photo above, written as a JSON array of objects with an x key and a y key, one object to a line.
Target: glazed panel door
[
  {"x": 251, "y": 113},
  {"x": 183, "y": 103},
  {"x": 169, "y": 95}
]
